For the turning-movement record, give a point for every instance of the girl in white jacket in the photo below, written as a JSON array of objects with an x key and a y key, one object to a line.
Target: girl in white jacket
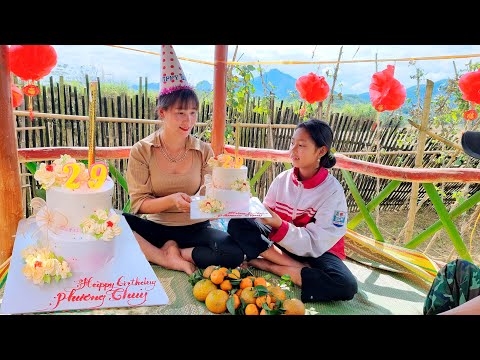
[{"x": 304, "y": 238}]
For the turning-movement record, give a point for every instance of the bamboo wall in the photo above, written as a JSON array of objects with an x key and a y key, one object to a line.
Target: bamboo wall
[{"x": 350, "y": 135}]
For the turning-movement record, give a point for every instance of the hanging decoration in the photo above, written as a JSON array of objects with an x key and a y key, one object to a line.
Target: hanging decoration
[
  {"x": 31, "y": 63},
  {"x": 469, "y": 85},
  {"x": 312, "y": 88},
  {"x": 386, "y": 92},
  {"x": 17, "y": 96}
]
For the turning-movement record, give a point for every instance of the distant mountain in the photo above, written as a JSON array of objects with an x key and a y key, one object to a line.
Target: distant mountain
[
  {"x": 412, "y": 91},
  {"x": 283, "y": 86}
]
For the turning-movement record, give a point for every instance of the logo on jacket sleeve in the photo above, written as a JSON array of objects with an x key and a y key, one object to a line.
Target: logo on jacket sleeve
[{"x": 339, "y": 218}]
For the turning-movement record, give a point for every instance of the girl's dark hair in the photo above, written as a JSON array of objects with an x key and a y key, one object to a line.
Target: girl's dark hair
[
  {"x": 322, "y": 135},
  {"x": 184, "y": 98}
]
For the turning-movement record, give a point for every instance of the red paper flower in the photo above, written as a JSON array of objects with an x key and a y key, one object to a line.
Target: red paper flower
[
  {"x": 386, "y": 92},
  {"x": 470, "y": 114},
  {"x": 17, "y": 96},
  {"x": 312, "y": 88},
  {"x": 469, "y": 85}
]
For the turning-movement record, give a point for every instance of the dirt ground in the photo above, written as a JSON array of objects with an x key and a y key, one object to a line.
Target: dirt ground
[{"x": 441, "y": 247}]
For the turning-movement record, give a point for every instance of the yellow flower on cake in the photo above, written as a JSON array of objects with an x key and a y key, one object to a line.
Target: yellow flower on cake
[
  {"x": 49, "y": 175},
  {"x": 45, "y": 175},
  {"x": 41, "y": 265},
  {"x": 102, "y": 225},
  {"x": 241, "y": 185},
  {"x": 210, "y": 205}
]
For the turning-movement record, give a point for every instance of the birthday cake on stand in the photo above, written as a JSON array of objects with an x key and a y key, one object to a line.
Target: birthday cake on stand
[
  {"x": 76, "y": 224},
  {"x": 228, "y": 188}
]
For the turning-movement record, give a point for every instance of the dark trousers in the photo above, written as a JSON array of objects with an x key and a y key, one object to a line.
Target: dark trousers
[
  {"x": 327, "y": 278},
  {"x": 211, "y": 246}
]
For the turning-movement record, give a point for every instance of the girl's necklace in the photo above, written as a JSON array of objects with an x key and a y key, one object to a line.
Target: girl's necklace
[{"x": 167, "y": 155}]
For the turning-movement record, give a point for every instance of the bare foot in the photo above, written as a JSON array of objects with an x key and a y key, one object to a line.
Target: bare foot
[
  {"x": 261, "y": 264},
  {"x": 279, "y": 270},
  {"x": 172, "y": 258}
]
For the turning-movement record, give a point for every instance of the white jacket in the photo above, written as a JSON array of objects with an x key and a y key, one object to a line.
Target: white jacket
[{"x": 314, "y": 213}]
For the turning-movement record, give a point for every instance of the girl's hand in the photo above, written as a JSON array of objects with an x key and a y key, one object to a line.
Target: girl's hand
[
  {"x": 275, "y": 221},
  {"x": 181, "y": 201}
]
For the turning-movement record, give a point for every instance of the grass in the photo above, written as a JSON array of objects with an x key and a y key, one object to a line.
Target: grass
[{"x": 391, "y": 224}]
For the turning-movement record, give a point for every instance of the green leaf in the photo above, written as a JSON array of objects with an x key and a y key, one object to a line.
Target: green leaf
[
  {"x": 47, "y": 279},
  {"x": 41, "y": 193},
  {"x": 231, "y": 305},
  {"x": 127, "y": 207},
  {"x": 32, "y": 167},
  {"x": 118, "y": 176}
]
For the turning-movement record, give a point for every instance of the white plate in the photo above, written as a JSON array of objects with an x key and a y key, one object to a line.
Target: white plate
[{"x": 256, "y": 210}]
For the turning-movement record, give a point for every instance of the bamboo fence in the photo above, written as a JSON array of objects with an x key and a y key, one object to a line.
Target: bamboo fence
[{"x": 61, "y": 114}]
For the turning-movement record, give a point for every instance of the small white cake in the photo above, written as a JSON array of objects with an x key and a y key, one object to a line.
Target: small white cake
[{"x": 229, "y": 185}]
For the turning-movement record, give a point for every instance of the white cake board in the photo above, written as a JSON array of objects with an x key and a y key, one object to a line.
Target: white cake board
[
  {"x": 255, "y": 210},
  {"x": 128, "y": 280}
]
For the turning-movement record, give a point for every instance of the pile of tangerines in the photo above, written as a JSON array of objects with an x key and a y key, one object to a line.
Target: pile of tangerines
[{"x": 239, "y": 292}]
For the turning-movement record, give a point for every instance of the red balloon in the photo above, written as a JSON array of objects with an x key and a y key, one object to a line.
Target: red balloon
[
  {"x": 32, "y": 62},
  {"x": 386, "y": 92},
  {"x": 17, "y": 96},
  {"x": 312, "y": 88},
  {"x": 469, "y": 85}
]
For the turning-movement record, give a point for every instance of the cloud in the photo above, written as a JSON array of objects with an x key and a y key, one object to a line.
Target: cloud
[{"x": 122, "y": 65}]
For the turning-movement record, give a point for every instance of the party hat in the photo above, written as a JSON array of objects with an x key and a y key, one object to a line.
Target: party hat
[{"x": 173, "y": 78}]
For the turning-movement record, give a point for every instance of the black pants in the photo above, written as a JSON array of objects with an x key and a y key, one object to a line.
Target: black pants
[
  {"x": 327, "y": 279},
  {"x": 211, "y": 246}
]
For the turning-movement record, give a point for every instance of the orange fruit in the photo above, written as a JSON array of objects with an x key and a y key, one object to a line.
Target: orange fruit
[
  {"x": 293, "y": 307},
  {"x": 251, "y": 309},
  {"x": 263, "y": 299},
  {"x": 248, "y": 295},
  {"x": 216, "y": 301},
  {"x": 236, "y": 301},
  {"x": 224, "y": 270},
  {"x": 208, "y": 271},
  {"x": 226, "y": 285},
  {"x": 245, "y": 283},
  {"x": 276, "y": 293},
  {"x": 217, "y": 276},
  {"x": 202, "y": 288},
  {"x": 238, "y": 292},
  {"x": 234, "y": 274},
  {"x": 260, "y": 281}
]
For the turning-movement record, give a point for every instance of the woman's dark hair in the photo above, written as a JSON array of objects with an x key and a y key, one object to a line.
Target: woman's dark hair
[
  {"x": 322, "y": 135},
  {"x": 184, "y": 98}
]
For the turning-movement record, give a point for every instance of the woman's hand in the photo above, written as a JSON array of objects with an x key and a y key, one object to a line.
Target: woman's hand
[
  {"x": 181, "y": 201},
  {"x": 275, "y": 221}
]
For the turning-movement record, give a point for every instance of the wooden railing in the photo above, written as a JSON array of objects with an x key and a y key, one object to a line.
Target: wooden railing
[{"x": 346, "y": 165}]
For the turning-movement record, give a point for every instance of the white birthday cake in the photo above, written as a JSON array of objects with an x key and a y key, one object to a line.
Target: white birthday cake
[
  {"x": 76, "y": 223},
  {"x": 228, "y": 189}
]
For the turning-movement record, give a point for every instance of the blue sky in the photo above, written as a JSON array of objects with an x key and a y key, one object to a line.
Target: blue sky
[{"x": 120, "y": 65}]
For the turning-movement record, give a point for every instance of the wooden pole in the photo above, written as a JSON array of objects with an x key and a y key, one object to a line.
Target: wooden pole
[
  {"x": 11, "y": 211},
  {"x": 219, "y": 99},
  {"x": 422, "y": 137}
]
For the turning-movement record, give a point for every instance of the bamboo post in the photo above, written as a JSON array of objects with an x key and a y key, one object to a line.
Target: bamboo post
[
  {"x": 330, "y": 99},
  {"x": 11, "y": 211},
  {"x": 422, "y": 137},
  {"x": 219, "y": 98}
]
